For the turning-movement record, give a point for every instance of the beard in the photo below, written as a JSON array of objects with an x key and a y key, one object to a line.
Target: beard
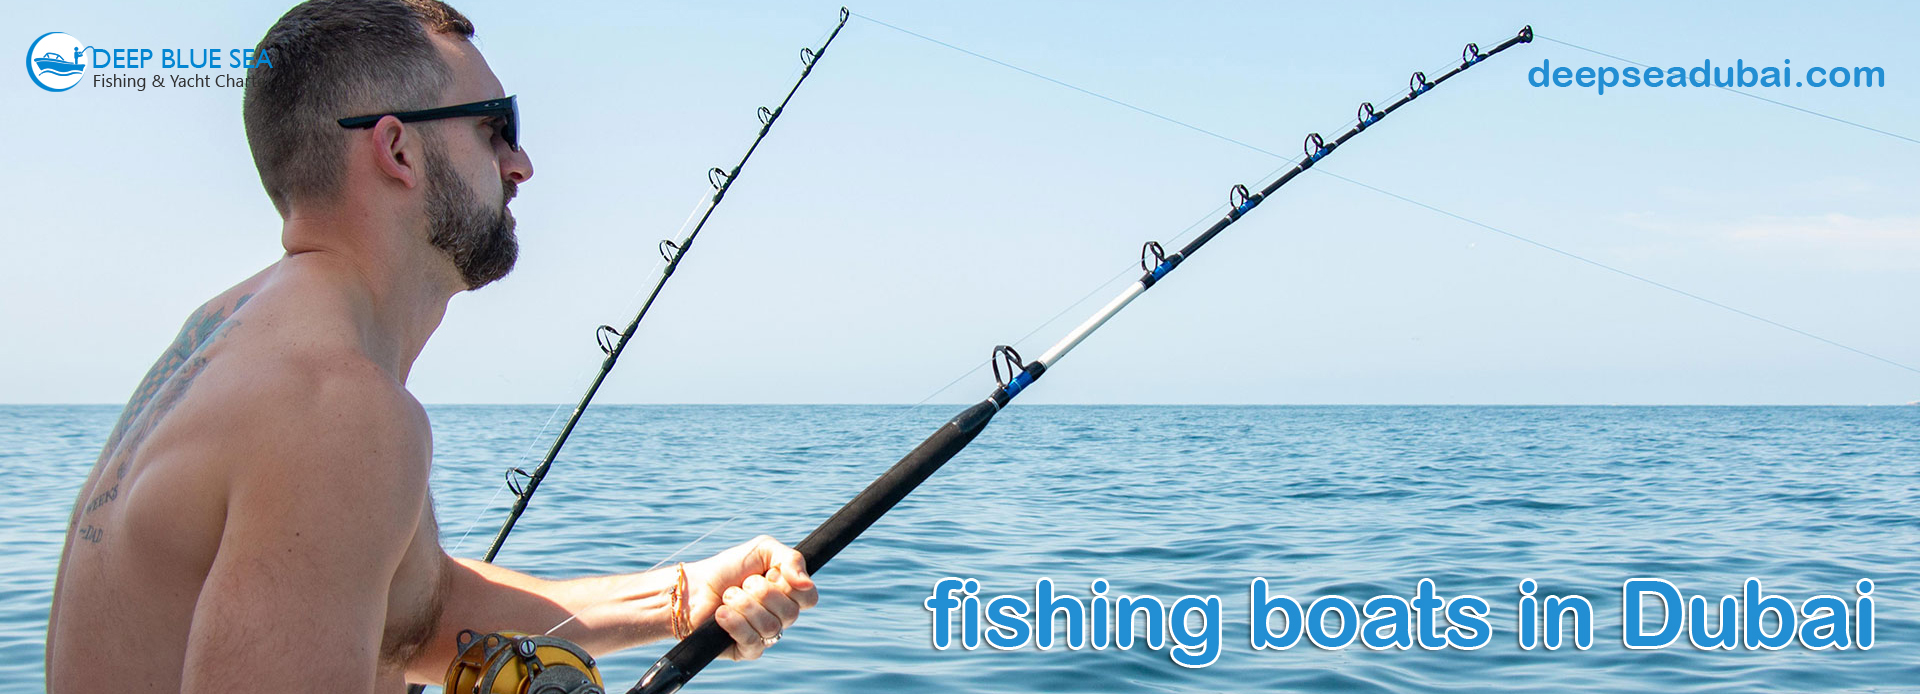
[{"x": 477, "y": 237}]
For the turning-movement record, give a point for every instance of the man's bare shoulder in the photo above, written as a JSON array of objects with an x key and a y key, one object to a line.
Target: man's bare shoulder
[{"x": 291, "y": 384}]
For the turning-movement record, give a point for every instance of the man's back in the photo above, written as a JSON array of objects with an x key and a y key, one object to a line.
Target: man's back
[{"x": 150, "y": 521}]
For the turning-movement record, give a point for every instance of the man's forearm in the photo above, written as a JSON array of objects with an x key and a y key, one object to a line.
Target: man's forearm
[{"x": 608, "y": 613}]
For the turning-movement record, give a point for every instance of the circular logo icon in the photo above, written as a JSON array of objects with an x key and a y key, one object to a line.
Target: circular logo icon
[{"x": 56, "y": 61}]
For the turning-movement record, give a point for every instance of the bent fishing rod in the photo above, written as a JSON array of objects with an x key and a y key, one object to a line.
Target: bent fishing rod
[
  {"x": 514, "y": 661},
  {"x": 614, "y": 342},
  {"x": 687, "y": 658}
]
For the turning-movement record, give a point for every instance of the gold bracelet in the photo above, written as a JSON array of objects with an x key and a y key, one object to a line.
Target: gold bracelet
[
  {"x": 673, "y": 610},
  {"x": 678, "y": 615}
]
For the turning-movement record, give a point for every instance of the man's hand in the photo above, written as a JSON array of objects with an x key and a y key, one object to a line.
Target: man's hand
[{"x": 755, "y": 591}]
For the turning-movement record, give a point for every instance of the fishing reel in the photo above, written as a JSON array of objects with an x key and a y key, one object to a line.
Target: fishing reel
[{"x": 511, "y": 662}]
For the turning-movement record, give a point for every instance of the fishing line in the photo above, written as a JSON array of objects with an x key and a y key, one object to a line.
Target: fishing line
[
  {"x": 1489, "y": 227},
  {"x": 532, "y": 447},
  {"x": 1749, "y": 95},
  {"x": 1087, "y": 92},
  {"x": 1623, "y": 273}
]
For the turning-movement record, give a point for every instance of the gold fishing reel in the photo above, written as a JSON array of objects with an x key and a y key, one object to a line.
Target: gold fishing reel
[{"x": 510, "y": 662}]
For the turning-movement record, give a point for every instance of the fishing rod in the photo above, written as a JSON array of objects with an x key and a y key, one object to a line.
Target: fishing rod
[
  {"x": 614, "y": 342},
  {"x": 521, "y": 662},
  {"x": 693, "y": 653}
]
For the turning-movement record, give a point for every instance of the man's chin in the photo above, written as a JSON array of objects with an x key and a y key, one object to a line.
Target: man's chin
[
  {"x": 505, "y": 253},
  {"x": 475, "y": 283},
  {"x": 484, "y": 281}
]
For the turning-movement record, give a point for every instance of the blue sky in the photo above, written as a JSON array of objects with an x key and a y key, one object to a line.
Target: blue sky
[{"x": 917, "y": 206}]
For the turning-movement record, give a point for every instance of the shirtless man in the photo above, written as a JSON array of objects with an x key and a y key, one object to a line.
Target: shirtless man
[{"x": 259, "y": 520}]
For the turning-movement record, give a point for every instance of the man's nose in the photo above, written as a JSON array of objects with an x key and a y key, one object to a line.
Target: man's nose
[{"x": 518, "y": 166}]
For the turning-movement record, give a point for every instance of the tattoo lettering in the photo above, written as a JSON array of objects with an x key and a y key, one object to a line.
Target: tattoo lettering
[
  {"x": 102, "y": 498},
  {"x": 91, "y": 534}
]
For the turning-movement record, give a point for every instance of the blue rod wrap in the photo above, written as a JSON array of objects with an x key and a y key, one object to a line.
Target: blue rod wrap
[{"x": 1019, "y": 383}]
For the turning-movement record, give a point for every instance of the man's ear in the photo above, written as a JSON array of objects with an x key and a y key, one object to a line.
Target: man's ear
[{"x": 399, "y": 152}]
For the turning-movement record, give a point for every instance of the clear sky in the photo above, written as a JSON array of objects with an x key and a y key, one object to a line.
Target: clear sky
[{"x": 917, "y": 206}]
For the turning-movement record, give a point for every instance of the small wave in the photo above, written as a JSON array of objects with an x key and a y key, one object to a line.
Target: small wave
[
  {"x": 1518, "y": 502},
  {"x": 1825, "y": 497}
]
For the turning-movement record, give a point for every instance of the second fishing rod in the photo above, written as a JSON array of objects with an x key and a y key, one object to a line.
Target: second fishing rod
[
  {"x": 692, "y": 654},
  {"x": 512, "y": 661},
  {"x": 613, "y": 342}
]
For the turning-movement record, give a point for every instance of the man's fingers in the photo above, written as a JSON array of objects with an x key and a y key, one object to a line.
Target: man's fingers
[
  {"x": 785, "y": 566},
  {"x": 793, "y": 565},
  {"x": 773, "y": 596},
  {"x": 774, "y": 587},
  {"x": 765, "y": 624},
  {"x": 791, "y": 569},
  {"x": 747, "y": 643},
  {"x": 795, "y": 582}
]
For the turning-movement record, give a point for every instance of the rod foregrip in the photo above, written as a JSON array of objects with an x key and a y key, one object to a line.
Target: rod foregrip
[
  {"x": 857, "y": 515},
  {"x": 707, "y": 642}
]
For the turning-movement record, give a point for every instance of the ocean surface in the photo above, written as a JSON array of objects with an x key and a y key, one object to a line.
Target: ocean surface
[{"x": 1171, "y": 501}]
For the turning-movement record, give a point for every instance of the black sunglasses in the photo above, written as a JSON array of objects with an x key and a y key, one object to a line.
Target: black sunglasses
[{"x": 506, "y": 109}]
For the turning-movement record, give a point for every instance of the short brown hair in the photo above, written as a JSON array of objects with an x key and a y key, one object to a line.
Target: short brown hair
[{"x": 333, "y": 59}]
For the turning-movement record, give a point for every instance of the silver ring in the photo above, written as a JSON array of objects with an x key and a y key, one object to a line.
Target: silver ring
[{"x": 772, "y": 640}]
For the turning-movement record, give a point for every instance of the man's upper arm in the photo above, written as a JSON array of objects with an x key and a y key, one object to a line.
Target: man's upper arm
[{"x": 326, "y": 495}]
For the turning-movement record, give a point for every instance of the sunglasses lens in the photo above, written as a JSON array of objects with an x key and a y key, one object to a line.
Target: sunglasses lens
[{"x": 511, "y": 131}]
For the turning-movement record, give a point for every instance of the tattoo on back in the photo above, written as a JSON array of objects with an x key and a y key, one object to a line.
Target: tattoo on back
[{"x": 163, "y": 387}]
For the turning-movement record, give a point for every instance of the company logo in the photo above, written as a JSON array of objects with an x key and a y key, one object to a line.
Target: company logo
[{"x": 56, "y": 61}]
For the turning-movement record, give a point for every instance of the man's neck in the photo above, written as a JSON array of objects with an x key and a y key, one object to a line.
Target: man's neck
[{"x": 399, "y": 284}]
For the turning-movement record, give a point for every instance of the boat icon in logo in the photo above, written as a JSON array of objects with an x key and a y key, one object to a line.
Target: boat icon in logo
[
  {"x": 53, "y": 63},
  {"x": 56, "y": 61}
]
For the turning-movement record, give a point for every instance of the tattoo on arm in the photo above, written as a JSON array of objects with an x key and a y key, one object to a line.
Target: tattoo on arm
[
  {"x": 200, "y": 329},
  {"x": 163, "y": 387}
]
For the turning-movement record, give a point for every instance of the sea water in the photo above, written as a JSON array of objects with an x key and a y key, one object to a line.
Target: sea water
[{"x": 1170, "y": 501}]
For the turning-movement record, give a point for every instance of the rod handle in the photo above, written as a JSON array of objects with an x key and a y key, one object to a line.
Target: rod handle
[{"x": 707, "y": 642}]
